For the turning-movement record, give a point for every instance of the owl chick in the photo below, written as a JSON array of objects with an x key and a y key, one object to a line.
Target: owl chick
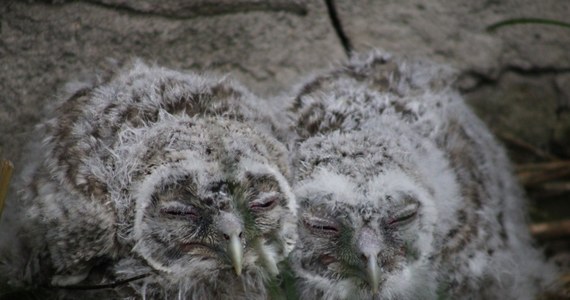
[
  {"x": 174, "y": 177},
  {"x": 403, "y": 193}
]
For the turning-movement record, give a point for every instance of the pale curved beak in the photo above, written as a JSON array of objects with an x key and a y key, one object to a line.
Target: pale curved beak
[
  {"x": 235, "y": 250},
  {"x": 373, "y": 273}
]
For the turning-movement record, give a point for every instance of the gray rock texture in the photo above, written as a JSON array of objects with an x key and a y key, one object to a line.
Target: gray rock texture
[
  {"x": 532, "y": 108},
  {"x": 521, "y": 68},
  {"x": 268, "y": 44},
  {"x": 454, "y": 31},
  {"x": 264, "y": 44}
]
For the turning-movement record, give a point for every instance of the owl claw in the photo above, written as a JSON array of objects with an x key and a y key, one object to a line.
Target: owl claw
[{"x": 236, "y": 252}]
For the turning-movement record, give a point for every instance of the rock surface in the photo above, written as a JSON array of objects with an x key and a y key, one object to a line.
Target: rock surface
[
  {"x": 266, "y": 45},
  {"x": 269, "y": 44},
  {"x": 522, "y": 68}
]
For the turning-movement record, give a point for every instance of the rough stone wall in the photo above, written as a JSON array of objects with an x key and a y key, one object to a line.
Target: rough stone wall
[
  {"x": 43, "y": 44},
  {"x": 517, "y": 77},
  {"x": 522, "y": 69}
]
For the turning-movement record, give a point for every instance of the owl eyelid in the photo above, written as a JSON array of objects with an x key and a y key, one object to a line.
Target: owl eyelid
[
  {"x": 408, "y": 213},
  {"x": 265, "y": 203},
  {"x": 321, "y": 226},
  {"x": 177, "y": 209}
]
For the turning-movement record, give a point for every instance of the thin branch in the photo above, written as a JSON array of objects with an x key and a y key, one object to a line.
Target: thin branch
[
  {"x": 551, "y": 230},
  {"x": 6, "y": 169},
  {"x": 543, "y": 166},
  {"x": 524, "y": 145},
  {"x": 517, "y": 21},
  {"x": 549, "y": 190},
  {"x": 556, "y": 187},
  {"x": 534, "y": 174},
  {"x": 337, "y": 25}
]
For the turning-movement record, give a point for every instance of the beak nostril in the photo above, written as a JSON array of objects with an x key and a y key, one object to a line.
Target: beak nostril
[
  {"x": 363, "y": 257},
  {"x": 227, "y": 237},
  {"x": 240, "y": 235}
]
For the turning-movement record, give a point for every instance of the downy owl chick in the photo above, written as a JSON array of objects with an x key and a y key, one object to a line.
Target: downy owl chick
[
  {"x": 403, "y": 193},
  {"x": 169, "y": 174}
]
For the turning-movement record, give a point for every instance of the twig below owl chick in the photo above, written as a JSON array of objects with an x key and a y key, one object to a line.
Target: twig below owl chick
[{"x": 6, "y": 169}]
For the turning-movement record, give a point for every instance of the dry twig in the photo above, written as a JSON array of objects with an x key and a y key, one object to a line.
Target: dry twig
[
  {"x": 532, "y": 175},
  {"x": 551, "y": 230},
  {"x": 517, "y": 142},
  {"x": 6, "y": 169}
]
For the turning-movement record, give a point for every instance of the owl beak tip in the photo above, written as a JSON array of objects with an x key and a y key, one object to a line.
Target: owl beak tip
[
  {"x": 237, "y": 268},
  {"x": 236, "y": 253},
  {"x": 373, "y": 274},
  {"x": 374, "y": 289}
]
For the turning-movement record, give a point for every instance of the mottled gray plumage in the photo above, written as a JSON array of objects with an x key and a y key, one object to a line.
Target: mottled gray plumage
[
  {"x": 175, "y": 175},
  {"x": 403, "y": 193}
]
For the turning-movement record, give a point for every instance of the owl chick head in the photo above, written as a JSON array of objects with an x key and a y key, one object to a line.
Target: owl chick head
[
  {"x": 212, "y": 201},
  {"x": 366, "y": 214}
]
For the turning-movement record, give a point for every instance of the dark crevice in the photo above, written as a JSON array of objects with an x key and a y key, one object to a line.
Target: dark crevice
[
  {"x": 200, "y": 9},
  {"x": 563, "y": 105},
  {"x": 536, "y": 71},
  {"x": 100, "y": 286},
  {"x": 486, "y": 80},
  {"x": 335, "y": 21},
  {"x": 192, "y": 10},
  {"x": 481, "y": 80}
]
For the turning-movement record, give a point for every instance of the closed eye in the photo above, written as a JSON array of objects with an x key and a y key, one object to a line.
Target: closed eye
[
  {"x": 405, "y": 215},
  {"x": 179, "y": 210},
  {"x": 402, "y": 219},
  {"x": 321, "y": 226},
  {"x": 265, "y": 203}
]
